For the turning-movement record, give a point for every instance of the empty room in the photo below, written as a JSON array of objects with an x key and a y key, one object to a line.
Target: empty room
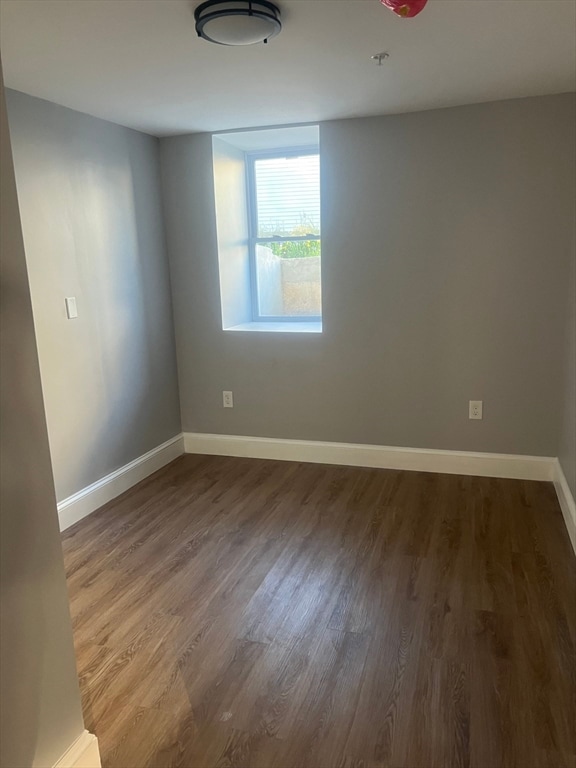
[{"x": 288, "y": 384}]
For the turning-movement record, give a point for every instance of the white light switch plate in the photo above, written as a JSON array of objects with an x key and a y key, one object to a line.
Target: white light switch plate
[{"x": 71, "y": 308}]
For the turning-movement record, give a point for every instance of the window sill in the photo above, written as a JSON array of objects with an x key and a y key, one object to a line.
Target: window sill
[{"x": 288, "y": 327}]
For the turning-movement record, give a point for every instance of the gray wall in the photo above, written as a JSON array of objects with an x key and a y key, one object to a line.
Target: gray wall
[
  {"x": 39, "y": 700},
  {"x": 445, "y": 242},
  {"x": 92, "y": 224},
  {"x": 567, "y": 447}
]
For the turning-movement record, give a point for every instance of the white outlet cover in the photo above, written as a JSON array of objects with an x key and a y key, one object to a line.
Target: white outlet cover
[
  {"x": 475, "y": 409},
  {"x": 227, "y": 400}
]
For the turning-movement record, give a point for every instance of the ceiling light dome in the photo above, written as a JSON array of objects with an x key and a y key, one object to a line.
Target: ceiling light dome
[{"x": 237, "y": 22}]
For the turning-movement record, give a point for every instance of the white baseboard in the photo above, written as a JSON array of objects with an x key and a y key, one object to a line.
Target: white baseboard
[
  {"x": 384, "y": 457},
  {"x": 84, "y": 753},
  {"x": 84, "y": 502},
  {"x": 566, "y": 501}
]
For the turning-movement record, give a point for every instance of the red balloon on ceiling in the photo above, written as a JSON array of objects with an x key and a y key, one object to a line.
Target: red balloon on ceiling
[{"x": 405, "y": 8}]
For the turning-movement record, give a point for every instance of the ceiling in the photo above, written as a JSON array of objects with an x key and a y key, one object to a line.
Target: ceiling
[{"x": 140, "y": 64}]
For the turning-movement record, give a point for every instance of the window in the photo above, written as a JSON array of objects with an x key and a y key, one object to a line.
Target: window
[
  {"x": 267, "y": 206},
  {"x": 285, "y": 235}
]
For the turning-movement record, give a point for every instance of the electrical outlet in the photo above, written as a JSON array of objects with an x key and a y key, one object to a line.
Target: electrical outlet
[
  {"x": 475, "y": 409},
  {"x": 227, "y": 400}
]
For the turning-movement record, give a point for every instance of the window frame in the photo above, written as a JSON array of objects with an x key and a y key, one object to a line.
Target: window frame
[{"x": 254, "y": 240}]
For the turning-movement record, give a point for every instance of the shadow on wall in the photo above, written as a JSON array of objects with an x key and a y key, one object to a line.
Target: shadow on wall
[{"x": 22, "y": 717}]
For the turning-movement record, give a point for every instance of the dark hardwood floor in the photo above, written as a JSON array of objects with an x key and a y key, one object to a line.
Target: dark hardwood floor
[{"x": 236, "y": 612}]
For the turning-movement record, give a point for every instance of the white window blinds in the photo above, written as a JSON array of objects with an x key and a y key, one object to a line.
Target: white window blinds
[{"x": 287, "y": 196}]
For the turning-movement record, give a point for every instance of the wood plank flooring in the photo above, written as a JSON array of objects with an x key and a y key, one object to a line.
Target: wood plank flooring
[{"x": 258, "y": 614}]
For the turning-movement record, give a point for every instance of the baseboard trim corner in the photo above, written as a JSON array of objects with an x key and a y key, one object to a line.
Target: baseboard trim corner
[
  {"x": 83, "y": 753},
  {"x": 377, "y": 456},
  {"x": 81, "y": 504},
  {"x": 566, "y": 501}
]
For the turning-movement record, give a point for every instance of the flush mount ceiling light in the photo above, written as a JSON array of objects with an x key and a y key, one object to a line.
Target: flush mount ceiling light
[{"x": 237, "y": 22}]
